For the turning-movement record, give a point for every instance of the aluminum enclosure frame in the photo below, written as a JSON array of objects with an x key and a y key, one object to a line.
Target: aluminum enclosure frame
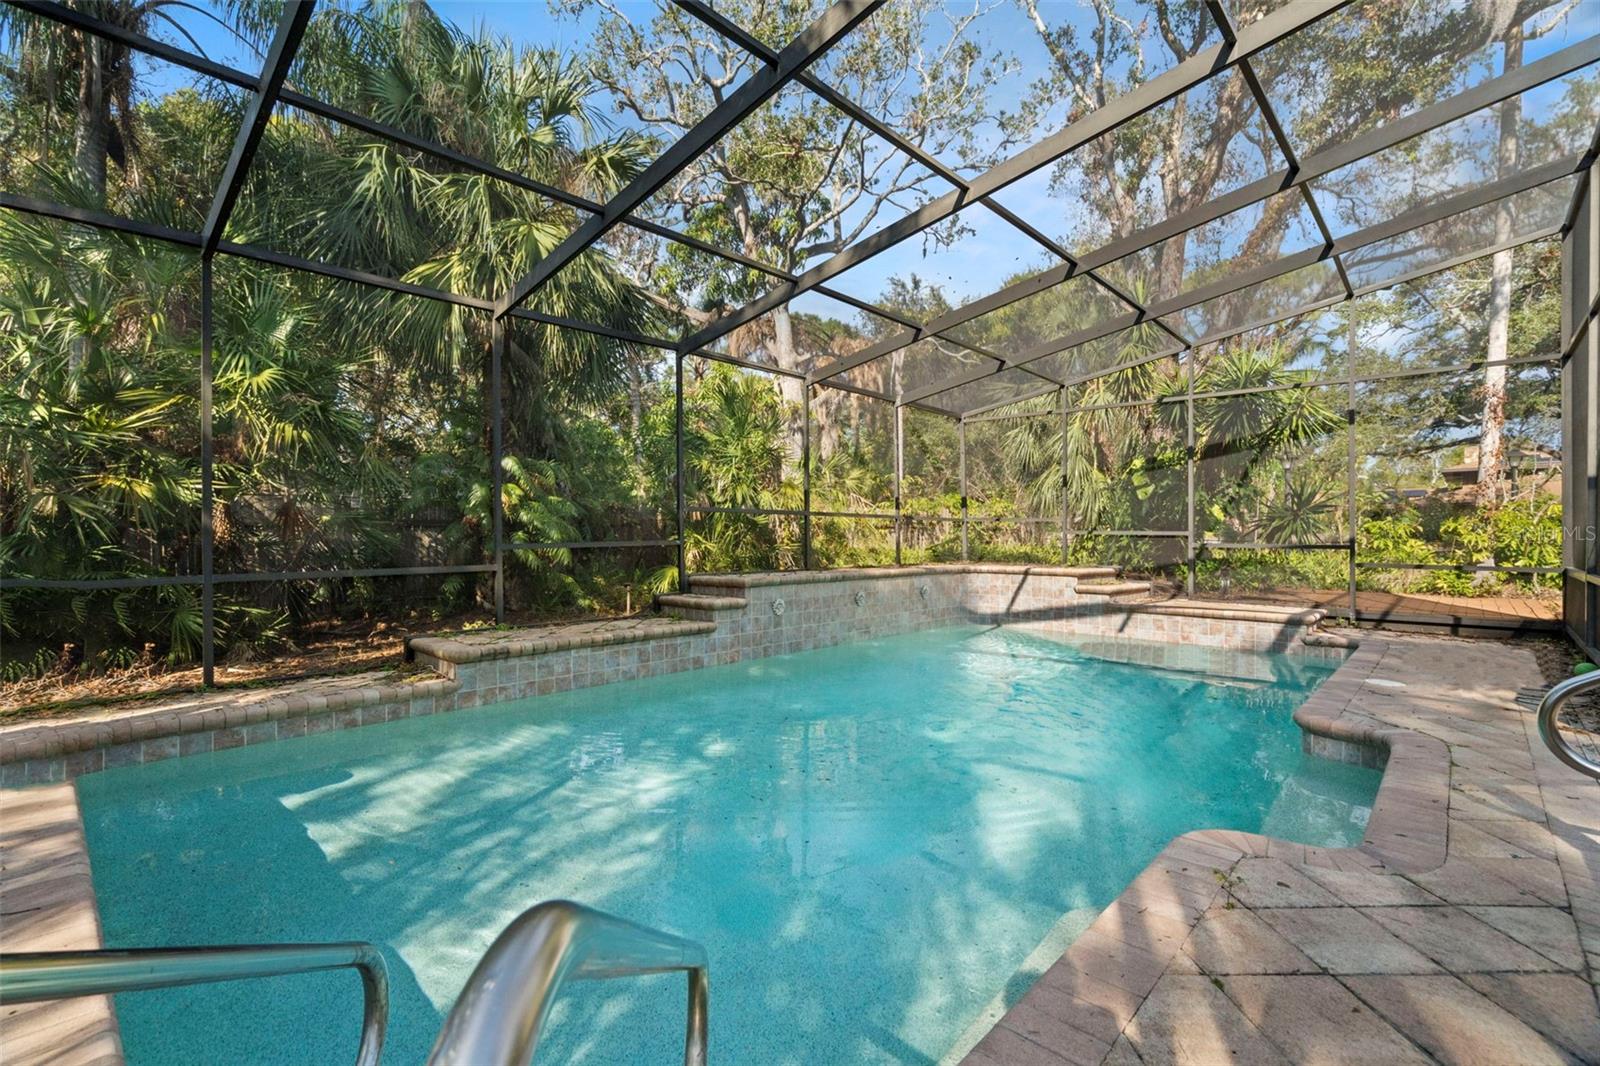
[{"x": 1580, "y": 233}]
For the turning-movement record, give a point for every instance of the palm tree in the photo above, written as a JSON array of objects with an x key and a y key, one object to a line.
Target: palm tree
[
  {"x": 326, "y": 393},
  {"x": 734, "y": 434},
  {"x": 333, "y": 193}
]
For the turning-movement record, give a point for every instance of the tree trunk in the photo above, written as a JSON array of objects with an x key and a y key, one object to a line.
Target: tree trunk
[
  {"x": 91, "y": 135},
  {"x": 1491, "y": 444},
  {"x": 793, "y": 390},
  {"x": 636, "y": 426}
]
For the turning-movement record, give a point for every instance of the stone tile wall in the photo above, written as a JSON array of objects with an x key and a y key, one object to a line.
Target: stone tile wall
[{"x": 726, "y": 619}]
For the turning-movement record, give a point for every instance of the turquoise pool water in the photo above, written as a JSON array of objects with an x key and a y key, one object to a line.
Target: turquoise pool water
[{"x": 871, "y": 840}]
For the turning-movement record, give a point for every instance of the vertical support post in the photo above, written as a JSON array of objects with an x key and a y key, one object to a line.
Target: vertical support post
[
  {"x": 1192, "y": 553},
  {"x": 1586, "y": 361},
  {"x": 497, "y": 349},
  {"x": 1353, "y": 513},
  {"x": 1571, "y": 507},
  {"x": 899, "y": 476},
  {"x": 805, "y": 481},
  {"x": 677, "y": 488},
  {"x": 208, "y": 617},
  {"x": 1066, "y": 504},
  {"x": 961, "y": 442}
]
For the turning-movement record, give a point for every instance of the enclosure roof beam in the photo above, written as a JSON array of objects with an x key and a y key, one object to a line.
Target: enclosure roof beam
[
  {"x": 342, "y": 116},
  {"x": 1485, "y": 94},
  {"x": 838, "y": 20},
  {"x": 1024, "y": 398},
  {"x": 1219, "y": 15},
  {"x": 339, "y": 273},
  {"x": 291, "y": 27},
  {"x": 99, "y": 219},
  {"x": 1583, "y": 183},
  {"x": 187, "y": 239},
  {"x": 1404, "y": 223},
  {"x": 1260, "y": 34},
  {"x": 1552, "y": 230},
  {"x": 778, "y": 371},
  {"x": 563, "y": 322},
  {"x": 725, "y": 26}
]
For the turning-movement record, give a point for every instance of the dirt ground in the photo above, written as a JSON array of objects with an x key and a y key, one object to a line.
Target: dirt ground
[{"x": 345, "y": 649}]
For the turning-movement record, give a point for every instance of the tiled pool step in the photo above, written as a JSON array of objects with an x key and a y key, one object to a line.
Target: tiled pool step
[
  {"x": 694, "y": 601},
  {"x": 1114, "y": 589},
  {"x": 491, "y": 644},
  {"x": 868, "y": 573}
]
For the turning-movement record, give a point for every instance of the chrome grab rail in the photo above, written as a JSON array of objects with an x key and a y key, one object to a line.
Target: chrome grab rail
[
  {"x": 498, "y": 1017},
  {"x": 1550, "y": 706},
  {"x": 28, "y": 977}
]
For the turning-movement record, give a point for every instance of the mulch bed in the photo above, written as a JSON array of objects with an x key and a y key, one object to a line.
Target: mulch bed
[{"x": 351, "y": 648}]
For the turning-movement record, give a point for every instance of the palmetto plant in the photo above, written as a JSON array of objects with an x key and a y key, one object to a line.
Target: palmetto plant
[
  {"x": 734, "y": 437},
  {"x": 1298, "y": 514},
  {"x": 1253, "y": 448},
  {"x": 1125, "y": 464},
  {"x": 1104, "y": 443},
  {"x": 325, "y": 392}
]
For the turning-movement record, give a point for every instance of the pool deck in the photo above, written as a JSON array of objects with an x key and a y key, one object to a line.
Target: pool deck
[
  {"x": 47, "y": 904},
  {"x": 1465, "y": 929}
]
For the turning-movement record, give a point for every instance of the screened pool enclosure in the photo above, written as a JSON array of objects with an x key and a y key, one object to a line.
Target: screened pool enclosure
[{"x": 322, "y": 308}]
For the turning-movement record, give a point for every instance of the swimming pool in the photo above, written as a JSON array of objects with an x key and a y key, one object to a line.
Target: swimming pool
[{"x": 878, "y": 843}]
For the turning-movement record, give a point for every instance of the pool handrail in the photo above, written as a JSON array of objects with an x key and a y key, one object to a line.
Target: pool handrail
[
  {"x": 31, "y": 977},
  {"x": 1550, "y": 706},
  {"x": 497, "y": 1019}
]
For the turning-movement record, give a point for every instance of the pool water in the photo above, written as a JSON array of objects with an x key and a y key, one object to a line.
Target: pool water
[{"x": 879, "y": 843}]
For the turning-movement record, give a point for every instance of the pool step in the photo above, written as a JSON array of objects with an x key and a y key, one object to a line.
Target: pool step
[
  {"x": 697, "y": 601},
  {"x": 1113, "y": 590}
]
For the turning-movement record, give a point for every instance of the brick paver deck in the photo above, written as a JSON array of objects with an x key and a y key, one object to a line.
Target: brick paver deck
[
  {"x": 1376, "y": 606},
  {"x": 1465, "y": 930}
]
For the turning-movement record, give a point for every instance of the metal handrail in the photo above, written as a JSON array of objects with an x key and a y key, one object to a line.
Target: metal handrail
[
  {"x": 1550, "y": 706},
  {"x": 28, "y": 977},
  {"x": 498, "y": 1017}
]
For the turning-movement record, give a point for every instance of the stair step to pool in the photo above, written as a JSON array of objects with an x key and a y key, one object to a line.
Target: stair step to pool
[
  {"x": 1113, "y": 588},
  {"x": 695, "y": 601}
]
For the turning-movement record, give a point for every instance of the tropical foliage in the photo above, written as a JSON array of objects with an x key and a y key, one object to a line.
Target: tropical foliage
[{"x": 351, "y": 426}]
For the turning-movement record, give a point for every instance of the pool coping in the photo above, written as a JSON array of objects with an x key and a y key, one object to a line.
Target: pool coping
[
  {"x": 1406, "y": 827},
  {"x": 48, "y": 904}
]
